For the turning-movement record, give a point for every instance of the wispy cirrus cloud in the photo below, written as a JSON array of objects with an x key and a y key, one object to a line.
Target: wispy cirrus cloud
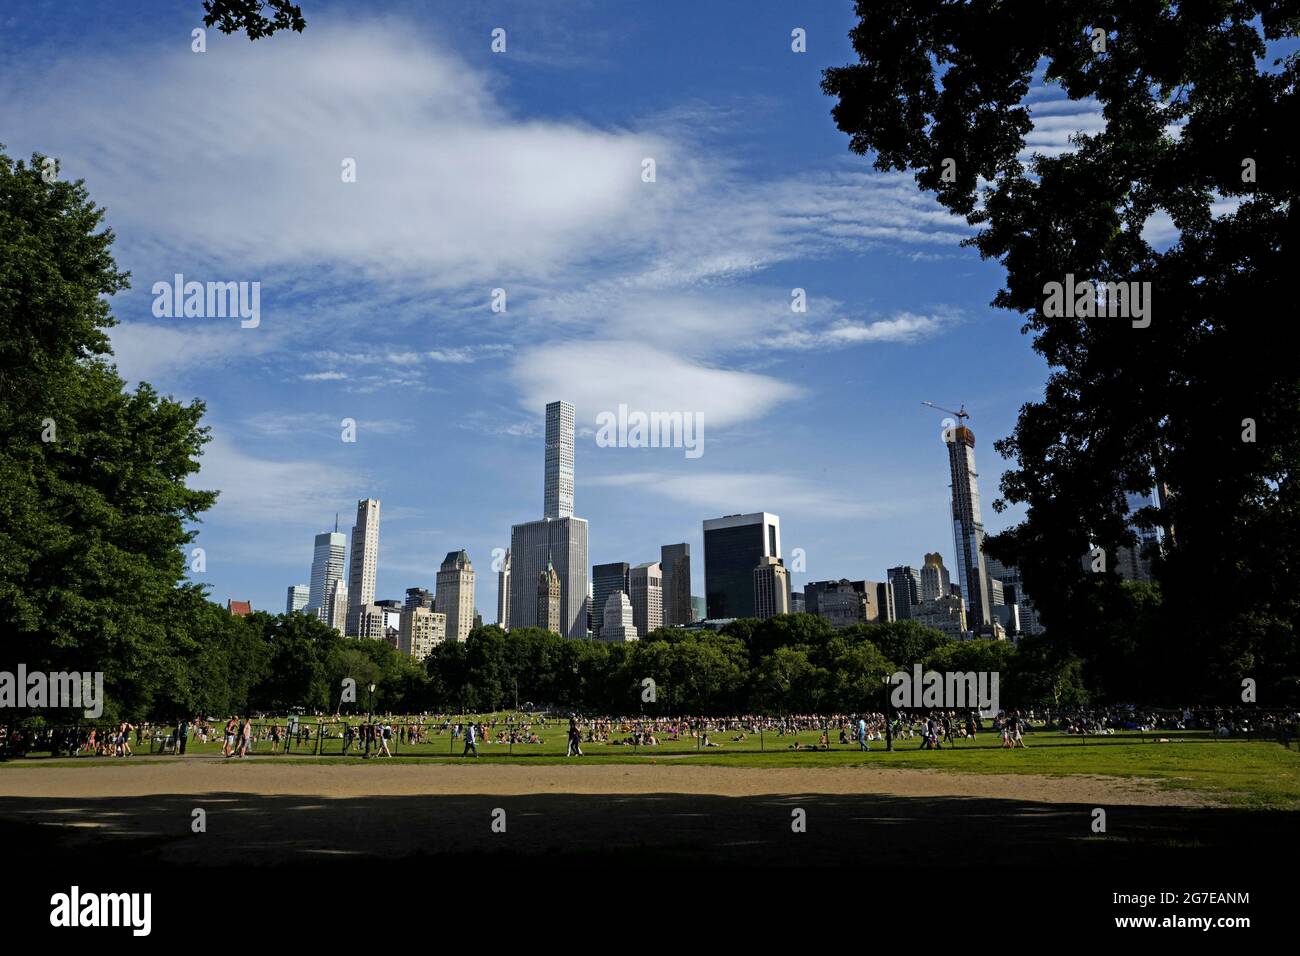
[{"x": 625, "y": 290}]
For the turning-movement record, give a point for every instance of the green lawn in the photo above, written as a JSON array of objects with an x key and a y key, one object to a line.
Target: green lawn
[{"x": 1256, "y": 774}]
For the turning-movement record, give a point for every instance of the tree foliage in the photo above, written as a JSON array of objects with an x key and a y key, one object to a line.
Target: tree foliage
[
  {"x": 1198, "y": 128},
  {"x": 231, "y": 16},
  {"x": 96, "y": 511}
]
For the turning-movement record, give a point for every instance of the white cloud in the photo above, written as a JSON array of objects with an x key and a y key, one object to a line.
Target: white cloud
[
  {"x": 323, "y": 377},
  {"x": 1057, "y": 120},
  {"x": 259, "y": 491},
  {"x": 746, "y": 492},
  {"x": 904, "y": 328},
  {"x": 599, "y": 376},
  {"x": 454, "y": 196},
  {"x": 290, "y": 424},
  {"x": 447, "y": 183},
  {"x": 149, "y": 352}
]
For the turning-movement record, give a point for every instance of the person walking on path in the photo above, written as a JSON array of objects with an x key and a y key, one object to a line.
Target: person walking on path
[
  {"x": 575, "y": 739},
  {"x": 471, "y": 740}
]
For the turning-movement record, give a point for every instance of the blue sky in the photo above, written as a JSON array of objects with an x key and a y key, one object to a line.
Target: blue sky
[{"x": 522, "y": 171}]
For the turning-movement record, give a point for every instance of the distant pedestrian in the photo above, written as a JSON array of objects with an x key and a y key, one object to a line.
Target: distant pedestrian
[
  {"x": 575, "y": 739},
  {"x": 471, "y": 740}
]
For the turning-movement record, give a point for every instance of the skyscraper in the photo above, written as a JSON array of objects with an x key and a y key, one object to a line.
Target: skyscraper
[
  {"x": 935, "y": 582},
  {"x": 733, "y": 547},
  {"x": 299, "y": 595},
  {"x": 606, "y": 579},
  {"x": 1135, "y": 563},
  {"x": 968, "y": 527},
  {"x": 907, "y": 589},
  {"x": 1013, "y": 589},
  {"x": 335, "y": 611},
  {"x": 419, "y": 597},
  {"x": 561, "y": 544},
  {"x": 364, "y": 561},
  {"x": 881, "y": 606},
  {"x": 548, "y": 600},
  {"x": 503, "y": 592},
  {"x": 645, "y": 583},
  {"x": 675, "y": 561},
  {"x": 560, "y": 419},
  {"x": 559, "y": 540},
  {"x": 455, "y": 594},
  {"x": 617, "y": 615},
  {"x": 771, "y": 588},
  {"x": 326, "y": 568}
]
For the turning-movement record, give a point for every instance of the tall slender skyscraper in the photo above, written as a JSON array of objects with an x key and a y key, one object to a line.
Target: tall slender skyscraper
[
  {"x": 560, "y": 418},
  {"x": 968, "y": 527},
  {"x": 733, "y": 547},
  {"x": 455, "y": 594},
  {"x": 326, "y": 568},
  {"x": 365, "y": 561},
  {"x": 503, "y": 592},
  {"x": 675, "y": 560},
  {"x": 558, "y": 540}
]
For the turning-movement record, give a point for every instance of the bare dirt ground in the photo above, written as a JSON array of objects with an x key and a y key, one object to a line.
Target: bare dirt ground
[
  {"x": 207, "y": 775},
  {"x": 308, "y": 816}
]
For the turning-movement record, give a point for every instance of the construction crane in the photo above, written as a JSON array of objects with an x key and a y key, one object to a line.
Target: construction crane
[{"x": 960, "y": 414}]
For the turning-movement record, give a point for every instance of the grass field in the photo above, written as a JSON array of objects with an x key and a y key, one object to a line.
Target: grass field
[{"x": 1257, "y": 774}]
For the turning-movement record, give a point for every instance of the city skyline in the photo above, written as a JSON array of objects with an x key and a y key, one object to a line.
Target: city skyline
[
  {"x": 646, "y": 583},
  {"x": 812, "y": 414}
]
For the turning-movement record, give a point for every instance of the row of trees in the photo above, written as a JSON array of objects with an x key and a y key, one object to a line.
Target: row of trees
[
  {"x": 788, "y": 664},
  {"x": 795, "y": 663}
]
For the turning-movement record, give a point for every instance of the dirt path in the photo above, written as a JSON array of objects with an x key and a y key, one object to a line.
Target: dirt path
[{"x": 198, "y": 776}]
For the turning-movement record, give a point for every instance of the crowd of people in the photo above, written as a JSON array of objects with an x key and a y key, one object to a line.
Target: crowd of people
[{"x": 381, "y": 736}]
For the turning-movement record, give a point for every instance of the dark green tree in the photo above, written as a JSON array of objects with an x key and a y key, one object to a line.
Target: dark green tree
[
  {"x": 1197, "y": 112},
  {"x": 96, "y": 511}
]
